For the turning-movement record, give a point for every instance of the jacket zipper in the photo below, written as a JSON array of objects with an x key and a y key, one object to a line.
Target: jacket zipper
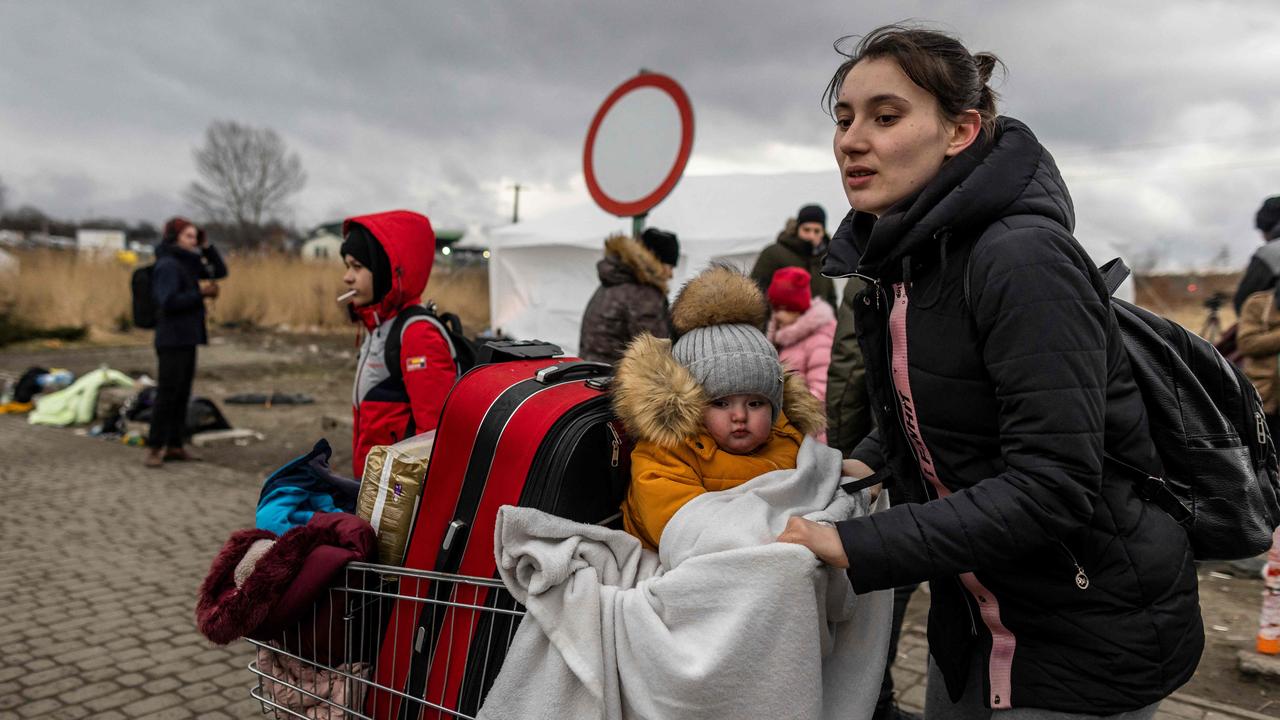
[
  {"x": 1081, "y": 579},
  {"x": 877, "y": 289}
]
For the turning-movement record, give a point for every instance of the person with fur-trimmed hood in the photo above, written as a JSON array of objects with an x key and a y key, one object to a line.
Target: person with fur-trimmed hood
[
  {"x": 711, "y": 411},
  {"x": 632, "y": 297}
]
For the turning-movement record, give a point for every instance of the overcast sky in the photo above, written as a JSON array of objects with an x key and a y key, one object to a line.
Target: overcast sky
[{"x": 1164, "y": 115}]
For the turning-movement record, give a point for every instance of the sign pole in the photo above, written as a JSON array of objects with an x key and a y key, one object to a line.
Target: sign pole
[{"x": 637, "y": 224}]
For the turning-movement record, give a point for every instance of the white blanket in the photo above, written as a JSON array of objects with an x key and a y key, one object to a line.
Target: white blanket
[{"x": 728, "y": 625}]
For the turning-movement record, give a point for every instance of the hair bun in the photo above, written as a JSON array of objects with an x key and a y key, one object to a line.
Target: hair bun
[{"x": 986, "y": 63}]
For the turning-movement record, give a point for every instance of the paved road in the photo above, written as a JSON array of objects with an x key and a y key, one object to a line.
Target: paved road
[{"x": 99, "y": 564}]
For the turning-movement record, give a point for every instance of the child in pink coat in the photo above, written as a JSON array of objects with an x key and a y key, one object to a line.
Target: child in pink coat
[{"x": 802, "y": 327}]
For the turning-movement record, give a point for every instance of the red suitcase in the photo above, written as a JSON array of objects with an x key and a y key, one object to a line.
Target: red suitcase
[{"x": 536, "y": 431}]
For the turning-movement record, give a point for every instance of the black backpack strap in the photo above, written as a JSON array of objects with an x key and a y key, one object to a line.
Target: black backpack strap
[
  {"x": 875, "y": 478},
  {"x": 391, "y": 354},
  {"x": 1113, "y": 274},
  {"x": 440, "y": 325}
]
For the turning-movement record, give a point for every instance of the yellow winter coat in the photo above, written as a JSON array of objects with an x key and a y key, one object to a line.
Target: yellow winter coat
[{"x": 663, "y": 479}]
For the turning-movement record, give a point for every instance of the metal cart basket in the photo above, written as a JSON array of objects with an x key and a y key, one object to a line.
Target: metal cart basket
[{"x": 323, "y": 667}]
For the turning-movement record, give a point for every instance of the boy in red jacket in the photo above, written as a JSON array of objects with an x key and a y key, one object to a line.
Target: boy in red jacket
[{"x": 388, "y": 258}]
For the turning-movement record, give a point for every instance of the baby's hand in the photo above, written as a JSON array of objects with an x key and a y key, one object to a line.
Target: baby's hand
[{"x": 822, "y": 540}]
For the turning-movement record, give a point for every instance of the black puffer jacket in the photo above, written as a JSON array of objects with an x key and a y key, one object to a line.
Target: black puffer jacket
[
  {"x": 631, "y": 299},
  {"x": 1042, "y": 559}
]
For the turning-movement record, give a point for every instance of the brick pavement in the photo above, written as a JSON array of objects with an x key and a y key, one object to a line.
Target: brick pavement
[{"x": 99, "y": 564}]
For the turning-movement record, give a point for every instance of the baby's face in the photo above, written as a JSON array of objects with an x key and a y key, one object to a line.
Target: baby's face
[{"x": 739, "y": 424}]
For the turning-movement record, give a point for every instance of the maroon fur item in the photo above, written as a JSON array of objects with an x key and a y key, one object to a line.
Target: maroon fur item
[{"x": 286, "y": 581}]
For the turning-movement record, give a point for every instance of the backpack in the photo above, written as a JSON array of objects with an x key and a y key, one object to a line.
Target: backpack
[
  {"x": 144, "y": 303},
  {"x": 1221, "y": 481},
  {"x": 449, "y": 325}
]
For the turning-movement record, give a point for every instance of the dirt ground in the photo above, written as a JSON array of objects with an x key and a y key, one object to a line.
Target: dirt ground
[{"x": 322, "y": 366}]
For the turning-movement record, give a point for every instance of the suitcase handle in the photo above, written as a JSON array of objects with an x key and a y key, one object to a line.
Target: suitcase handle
[{"x": 556, "y": 373}]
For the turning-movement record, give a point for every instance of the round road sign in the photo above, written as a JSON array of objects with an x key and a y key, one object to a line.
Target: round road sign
[{"x": 638, "y": 144}]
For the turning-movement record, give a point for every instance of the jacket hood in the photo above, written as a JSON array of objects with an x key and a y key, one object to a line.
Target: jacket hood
[
  {"x": 410, "y": 244},
  {"x": 627, "y": 260},
  {"x": 177, "y": 253},
  {"x": 661, "y": 402},
  {"x": 818, "y": 316},
  {"x": 1013, "y": 174}
]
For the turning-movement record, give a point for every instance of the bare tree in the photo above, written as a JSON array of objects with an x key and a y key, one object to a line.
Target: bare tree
[{"x": 246, "y": 175}]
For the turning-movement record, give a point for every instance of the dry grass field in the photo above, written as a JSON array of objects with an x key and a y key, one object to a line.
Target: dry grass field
[{"x": 267, "y": 291}]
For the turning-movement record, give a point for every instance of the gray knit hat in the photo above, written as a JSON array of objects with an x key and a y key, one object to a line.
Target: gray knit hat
[
  {"x": 719, "y": 319},
  {"x": 732, "y": 359}
]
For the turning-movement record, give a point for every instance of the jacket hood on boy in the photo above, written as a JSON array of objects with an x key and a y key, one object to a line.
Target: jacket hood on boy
[
  {"x": 626, "y": 260},
  {"x": 410, "y": 245}
]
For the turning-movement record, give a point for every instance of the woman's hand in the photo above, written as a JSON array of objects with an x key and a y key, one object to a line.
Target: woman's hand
[
  {"x": 858, "y": 470},
  {"x": 822, "y": 540}
]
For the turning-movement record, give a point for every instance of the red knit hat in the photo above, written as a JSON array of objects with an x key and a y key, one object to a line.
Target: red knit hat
[
  {"x": 789, "y": 289},
  {"x": 174, "y": 228}
]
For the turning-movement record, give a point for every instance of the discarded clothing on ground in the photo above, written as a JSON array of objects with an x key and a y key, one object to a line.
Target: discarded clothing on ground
[
  {"x": 77, "y": 404},
  {"x": 301, "y": 488},
  {"x": 722, "y": 623},
  {"x": 282, "y": 588},
  {"x": 313, "y": 692},
  {"x": 28, "y": 386},
  {"x": 275, "y": 398},
  {"x": 202, "y": 414}
]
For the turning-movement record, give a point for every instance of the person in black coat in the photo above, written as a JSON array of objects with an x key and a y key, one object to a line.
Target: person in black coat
[
  {"x": 186, "y": 266},
  {"x": 1001, "y": 390}
]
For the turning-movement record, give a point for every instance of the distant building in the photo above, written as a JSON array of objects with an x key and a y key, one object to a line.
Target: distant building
[
  {"x": 88, "y": 240},
  {"x": 324, "y": 244}
]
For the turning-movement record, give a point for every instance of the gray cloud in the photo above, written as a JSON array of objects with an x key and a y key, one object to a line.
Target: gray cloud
[{"x": 1160, "y": 112}]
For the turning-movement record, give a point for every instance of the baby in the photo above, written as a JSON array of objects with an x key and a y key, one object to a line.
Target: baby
[{"x": 712, "y": 411}]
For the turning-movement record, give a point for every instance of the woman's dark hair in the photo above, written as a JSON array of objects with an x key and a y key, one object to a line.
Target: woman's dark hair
[{"x": 933, "y": 60}]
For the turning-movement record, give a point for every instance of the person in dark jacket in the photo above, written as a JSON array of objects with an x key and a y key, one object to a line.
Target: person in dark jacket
[
  {"x": 1264, "y": 266},
  {"x": 999, "y": 382},
  {"x": 802, "y": 243},
  {"x": 184, "y": 274},
  {"x": 632, "y": 297}
]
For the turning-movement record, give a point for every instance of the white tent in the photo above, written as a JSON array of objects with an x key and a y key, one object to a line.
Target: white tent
[{"x": 542, "y": 272}]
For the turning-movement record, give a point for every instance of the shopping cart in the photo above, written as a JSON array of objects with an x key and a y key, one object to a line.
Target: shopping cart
[{"x": 323, "y": 666}]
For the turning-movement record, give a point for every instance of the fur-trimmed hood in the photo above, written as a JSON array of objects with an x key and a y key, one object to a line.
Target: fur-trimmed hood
[
  {"x": 660, "y": 401},
  {"x": 818, "y": 316},
  {"x": 628, "y": 260}
]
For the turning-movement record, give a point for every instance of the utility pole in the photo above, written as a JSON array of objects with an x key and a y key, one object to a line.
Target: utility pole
[{"x": 515, "y": 210}]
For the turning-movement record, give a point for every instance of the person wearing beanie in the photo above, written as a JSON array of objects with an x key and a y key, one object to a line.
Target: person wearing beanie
[
  {"x": 632, "y": 297},
  {"x": 183, "y": 276},
  {"x": 388, "y": 259},
  {"x": 710, "y": 411},
  {"x": 1264, "y": 266},
  {"x": 802, "y": 328},
  {"x": 802, "y": 244}
]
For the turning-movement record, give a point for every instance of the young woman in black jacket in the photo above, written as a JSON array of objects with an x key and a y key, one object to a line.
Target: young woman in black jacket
[
  {"x": 1000, "y": 388},
  {"x": 186, "y": 266}
]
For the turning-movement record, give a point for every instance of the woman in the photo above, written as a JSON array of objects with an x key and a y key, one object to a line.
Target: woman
[
  {"x": 388, "y": 258},
  {"x": 1055, "y": 588},
  {"x": 186, "y": 266}
]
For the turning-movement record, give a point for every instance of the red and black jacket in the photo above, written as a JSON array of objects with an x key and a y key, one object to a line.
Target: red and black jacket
[{"x": 387, "y": 408}]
